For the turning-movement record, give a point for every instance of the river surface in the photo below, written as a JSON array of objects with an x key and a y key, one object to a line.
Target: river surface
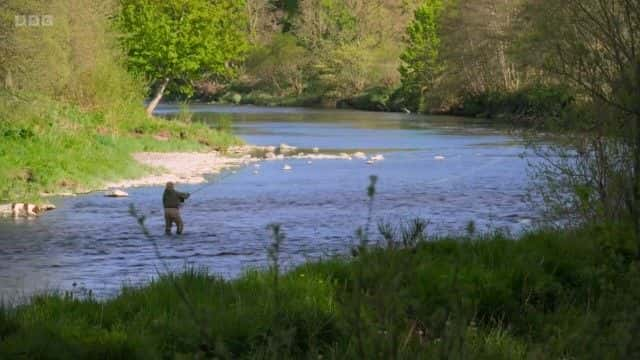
[{"x": 92, "y": 243}]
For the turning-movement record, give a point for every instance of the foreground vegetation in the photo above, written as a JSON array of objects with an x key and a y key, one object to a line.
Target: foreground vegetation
[{"x": 549, "y": 294}]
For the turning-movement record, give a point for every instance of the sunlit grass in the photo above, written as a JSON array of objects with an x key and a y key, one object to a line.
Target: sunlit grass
[{"x": 48, "y": 146}]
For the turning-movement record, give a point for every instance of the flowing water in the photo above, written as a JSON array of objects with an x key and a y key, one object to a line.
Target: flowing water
[{"x": 91, "y": 242}]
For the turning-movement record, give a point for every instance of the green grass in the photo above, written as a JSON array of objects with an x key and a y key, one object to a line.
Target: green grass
[
  {"x": 50, "y": 146},
  {"x": 548, "y": 294}
]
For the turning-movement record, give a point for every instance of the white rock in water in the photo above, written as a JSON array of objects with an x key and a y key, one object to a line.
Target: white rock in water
[
  {"x": 309, "y": 162},
  {"x": 6, "y": 210},
  {"x": 370, "y": 161},
  {"x": 438, "y": 157},
  {"x": 257, "y": 166},
  {"x": 116, "y": 194},
  {"x": 286, "y": 167},
  {"x": 378, "y": 157},
  {"x": 32, "y": 210},
  {"x": 24, "y": 210},
  {"x": 46, "y": 207},
  {"x": 284, "y": 148},
  {"x": 360, "y": 155}
]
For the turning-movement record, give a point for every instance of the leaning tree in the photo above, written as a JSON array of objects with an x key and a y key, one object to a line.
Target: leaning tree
[{"x": 182, "y": 40}]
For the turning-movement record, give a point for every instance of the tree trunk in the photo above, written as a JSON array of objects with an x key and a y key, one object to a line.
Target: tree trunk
[
  {"x": 156, "y": 99},
  {"x": 635, "y": 211},
  {"x": 8, "y": 80}
]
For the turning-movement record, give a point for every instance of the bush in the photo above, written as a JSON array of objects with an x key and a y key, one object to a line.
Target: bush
[{"x": 527, "y": 105}]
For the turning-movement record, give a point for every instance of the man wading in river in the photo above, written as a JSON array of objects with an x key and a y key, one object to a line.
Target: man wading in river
[{"x": 172, "y": 199}]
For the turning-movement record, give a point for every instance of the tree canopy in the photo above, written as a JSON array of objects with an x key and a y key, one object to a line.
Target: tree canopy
[
  {"x": 421, "y": 62},
  {"x": 182, "y": 40}
]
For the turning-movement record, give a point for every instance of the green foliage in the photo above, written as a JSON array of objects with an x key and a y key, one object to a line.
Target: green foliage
[
  {"x": 374, "y": 99},
  {"x": 76, "y": 60},
  {"x": 183, "y": 40},
  {"x": 281, "y": 65},
  {"x": 320, "y": 52},
  {"x": 421, "y": 62},
  {"x": 527, "y": 106}
]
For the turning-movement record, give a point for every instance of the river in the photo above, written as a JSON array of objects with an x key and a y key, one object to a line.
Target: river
[{"x": 92, "y": 243}]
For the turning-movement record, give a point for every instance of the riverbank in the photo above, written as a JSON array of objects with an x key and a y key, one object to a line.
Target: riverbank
[
  {"x": 548, "y": 294},
  {"x": 49, "y": 147},
  {"x": 191, "y": 167},
  {"x": 182, "y": 167},
  {"x": 528, "y": 107}
]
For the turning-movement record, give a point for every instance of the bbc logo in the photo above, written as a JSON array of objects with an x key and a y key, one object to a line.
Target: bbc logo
[{"x": 33, "y": 20}]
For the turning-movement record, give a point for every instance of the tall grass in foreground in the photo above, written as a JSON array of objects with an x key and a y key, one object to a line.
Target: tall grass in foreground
[{"x": 548, "y": 294}]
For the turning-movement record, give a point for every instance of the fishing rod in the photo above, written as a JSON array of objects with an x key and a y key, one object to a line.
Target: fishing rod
[
  {"x": 213, "y": 182},
  {"x": 210, "y": 183}
]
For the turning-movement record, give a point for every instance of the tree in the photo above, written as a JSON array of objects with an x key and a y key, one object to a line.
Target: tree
[
  {"x": 280, "y": 64},
  {"x": 594, "y": 45},
  {"x": 264, "y": 20},
  {"x": 421, "y": 63},
  {"x": 182, "y": 40},
  {"x": 353, "y": 45},
  {"x": 75, "y": 59}
]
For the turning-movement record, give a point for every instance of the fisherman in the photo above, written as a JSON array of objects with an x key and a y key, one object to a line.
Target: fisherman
[{"x": 172, "y": 200}]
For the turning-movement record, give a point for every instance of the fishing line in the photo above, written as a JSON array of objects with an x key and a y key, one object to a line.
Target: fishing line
[
  {"x": 434, "y": 182},
  {"x": 466, "y": 173},
  {"x": 211, "y": 183}
]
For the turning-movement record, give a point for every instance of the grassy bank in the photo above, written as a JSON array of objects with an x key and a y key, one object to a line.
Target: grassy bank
[
  {"x": 548, "y": 294},
  {"x": 52, "y": 146}
]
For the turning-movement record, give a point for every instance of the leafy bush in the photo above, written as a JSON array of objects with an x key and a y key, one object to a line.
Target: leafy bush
[{"x": 535, "y": 103}]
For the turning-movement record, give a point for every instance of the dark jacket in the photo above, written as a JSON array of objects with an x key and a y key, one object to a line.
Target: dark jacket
[{"x": 172, "y": 199}]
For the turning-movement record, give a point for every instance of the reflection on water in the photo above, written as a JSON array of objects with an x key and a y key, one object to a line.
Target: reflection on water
[{"x": 93, "y": 242}]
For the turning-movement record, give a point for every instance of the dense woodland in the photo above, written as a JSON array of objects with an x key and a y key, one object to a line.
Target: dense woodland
[{"x": 475, "y": 57}]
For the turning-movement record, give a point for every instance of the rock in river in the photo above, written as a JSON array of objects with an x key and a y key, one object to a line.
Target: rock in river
[
  {"x": 116, "y": 194},
  {"x": 284, "y": 148},
  {"x": 24, "y": 210}
]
